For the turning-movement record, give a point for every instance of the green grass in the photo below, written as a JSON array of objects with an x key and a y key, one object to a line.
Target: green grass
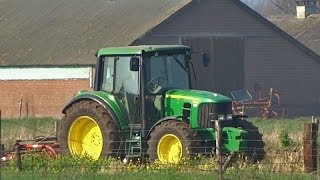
[
  {"x": 267, "y": 126},
  {"x": 156, "y": 176},
  {"x": 12, "y": 129},
  {"x": 64, "y": 167},
  {"x": 25, "y": 128},
  {"x": 271, "y": 129},
  {"x": 279, "y": 163}
]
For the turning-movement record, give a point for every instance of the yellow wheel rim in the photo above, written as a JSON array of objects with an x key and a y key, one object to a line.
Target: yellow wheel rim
[
  {"x": 169, "y": 149},
  {"x": 85, "y": 138}
]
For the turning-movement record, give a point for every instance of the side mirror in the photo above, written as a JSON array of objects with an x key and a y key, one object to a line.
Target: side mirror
[
  {"x": 134, "y": 64},
  {"x": 205, "y": 59}
]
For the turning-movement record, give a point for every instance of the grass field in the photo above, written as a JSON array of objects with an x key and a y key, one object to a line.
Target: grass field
[
  {"x": 37, "y": 167},
  {"x": 279, "y": 162},
  {"x": 27, "y": 129},
  {"x": 271, "y": 129},
  {"x": 158, "y": 176},
  {"x": 12, "y": 129}
]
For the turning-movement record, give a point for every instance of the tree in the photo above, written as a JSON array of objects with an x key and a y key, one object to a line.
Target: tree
[{"x": 272, "y": 7}]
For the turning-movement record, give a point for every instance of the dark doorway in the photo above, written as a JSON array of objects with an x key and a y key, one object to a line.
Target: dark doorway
[{"x": 225, "y": 72}]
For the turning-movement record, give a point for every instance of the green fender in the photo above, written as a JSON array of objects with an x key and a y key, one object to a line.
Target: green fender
[{"x": 108, "y": 101}]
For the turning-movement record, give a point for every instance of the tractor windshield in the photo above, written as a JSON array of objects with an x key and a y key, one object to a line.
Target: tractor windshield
[{"x": 166, "y": 72}]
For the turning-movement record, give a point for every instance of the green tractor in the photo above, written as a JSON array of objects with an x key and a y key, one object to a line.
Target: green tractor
[{"x": 143, "y": 106}]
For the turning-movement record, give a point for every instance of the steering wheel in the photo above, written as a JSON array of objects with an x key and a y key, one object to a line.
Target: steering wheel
[{"x": 154, "y": 84}]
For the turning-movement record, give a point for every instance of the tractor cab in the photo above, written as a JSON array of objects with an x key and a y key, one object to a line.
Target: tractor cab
[{"x": 142, "y": 76}]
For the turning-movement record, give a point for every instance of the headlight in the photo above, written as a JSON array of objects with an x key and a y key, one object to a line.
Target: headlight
[
  {"x": 221, "y": 117},
  {"x": 213, "y": 116},
  {"x": 229, "y": 117}
]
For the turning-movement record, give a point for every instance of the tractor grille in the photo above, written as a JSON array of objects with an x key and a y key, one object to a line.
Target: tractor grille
[{"x": 206, "y": 108}]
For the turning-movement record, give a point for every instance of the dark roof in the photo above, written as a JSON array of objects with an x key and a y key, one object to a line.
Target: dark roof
[
  {"x": 307, "y": 31},
  {"x": 71, "y": 31},
  {"x": 278, "y": 30}
]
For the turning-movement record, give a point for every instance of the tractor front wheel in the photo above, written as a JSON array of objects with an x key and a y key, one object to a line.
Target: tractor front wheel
[
  {"x": 170, "y": 141},
  {"x": 88, "y": 130}
]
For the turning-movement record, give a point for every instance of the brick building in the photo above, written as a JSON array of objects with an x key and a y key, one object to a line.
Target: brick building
[{"x": 33, "y": 91}]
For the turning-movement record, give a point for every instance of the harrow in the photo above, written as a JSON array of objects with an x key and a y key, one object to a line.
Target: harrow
[{"x": 40, "y": 144}]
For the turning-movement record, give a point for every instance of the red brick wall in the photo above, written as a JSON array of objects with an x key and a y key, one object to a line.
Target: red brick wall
[{"x": 35, "y": 98}]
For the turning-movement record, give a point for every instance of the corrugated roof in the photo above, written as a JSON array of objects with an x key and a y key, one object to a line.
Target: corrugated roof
[
  {"x": 306, "y": 30},
  {"x": 71, "y": 31},
  {"x": 278, "y": 30}
]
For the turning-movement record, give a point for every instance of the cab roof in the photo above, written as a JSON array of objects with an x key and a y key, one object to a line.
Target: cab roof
[{"x": 137, "y": 50}]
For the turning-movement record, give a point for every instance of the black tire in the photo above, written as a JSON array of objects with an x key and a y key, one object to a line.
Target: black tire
[
  {"x": 109, "y": 131},
  {"x": 254, "y": 151},
  {"x": 181, "y": 130}
]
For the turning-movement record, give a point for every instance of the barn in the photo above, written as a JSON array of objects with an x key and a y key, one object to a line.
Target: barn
[{"x": 244, "y": 47}]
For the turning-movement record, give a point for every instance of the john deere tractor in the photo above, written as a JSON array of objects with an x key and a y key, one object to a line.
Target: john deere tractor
[{"x": 142, "y": 105}]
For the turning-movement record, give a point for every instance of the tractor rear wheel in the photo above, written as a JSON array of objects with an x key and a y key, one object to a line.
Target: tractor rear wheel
[
  {"x": 88, "y": 130},
  {"x": 254, "y": 151},
  {"x": 170, "y": 141}
]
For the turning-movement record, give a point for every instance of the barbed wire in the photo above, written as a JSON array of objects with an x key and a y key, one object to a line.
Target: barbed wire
[
  {"x": 23, "y": 125},
  {"x": 272, "y": 153},
  {"x": 126, "y": 131},
  {"x": 192, "y": 165}
]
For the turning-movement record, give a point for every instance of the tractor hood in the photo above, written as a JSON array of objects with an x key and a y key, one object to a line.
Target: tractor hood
[{"x": 196, "y": 96}]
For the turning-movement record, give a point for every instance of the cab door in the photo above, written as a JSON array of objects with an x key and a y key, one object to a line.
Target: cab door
[{"x": 126, "y": 88}]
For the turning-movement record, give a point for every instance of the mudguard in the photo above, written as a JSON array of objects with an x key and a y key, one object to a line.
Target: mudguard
[
  {"x": 160, "y": 121},
  {"x": 105, "y": 100}
]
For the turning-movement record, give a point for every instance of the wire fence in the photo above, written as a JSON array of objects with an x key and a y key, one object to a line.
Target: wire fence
[{"x": 281, "y": 158}]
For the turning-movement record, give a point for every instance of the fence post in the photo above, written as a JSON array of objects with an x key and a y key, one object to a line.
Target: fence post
[
  {"x": 20, "y": 108},
  {"x": 310, "y": 131},
  {"x": 18, "y": 156},
  {"x": 56, "y": 128},
  {"x": 218, "y": 153}
]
